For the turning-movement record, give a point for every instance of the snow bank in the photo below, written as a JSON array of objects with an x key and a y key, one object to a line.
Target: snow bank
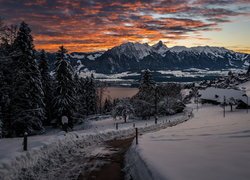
[
  {"x": 206, "y": 147},
  {"x": 37, "y": 160},
  {"x": 136, "y": 168}
]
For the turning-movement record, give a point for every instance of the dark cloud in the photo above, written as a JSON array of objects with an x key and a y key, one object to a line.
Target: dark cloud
[{"x": 85, "y": 24}]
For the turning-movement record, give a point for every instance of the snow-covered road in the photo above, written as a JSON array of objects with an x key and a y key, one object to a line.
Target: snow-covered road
[
  {"x": 56, "y": 155},
  {"x": 206, "y": 147}
]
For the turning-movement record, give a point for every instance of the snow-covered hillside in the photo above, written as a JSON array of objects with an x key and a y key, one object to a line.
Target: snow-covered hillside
[{"x": 206, "y": 147}]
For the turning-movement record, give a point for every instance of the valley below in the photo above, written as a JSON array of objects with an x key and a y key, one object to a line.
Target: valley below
[{"x": 163, "y": 76}]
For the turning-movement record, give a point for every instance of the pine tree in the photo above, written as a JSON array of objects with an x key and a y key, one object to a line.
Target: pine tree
[
  {"x": 147, "y": 88},
  {"x": 102, "y": 87},
  {"x": 92, "y": 94},
  {"x": 64, "y": 101},
  {"x": 147, "y": 80},
  {"x": 248, "y": 71},
  {"x": 82, "y": 97},
  {"x": 115, "y": 101},
  {"x": 47, "y": 86},
  {"x": 7, "y": 36},
  {"x": 79, "y": 92},
  {"x": 76, "y": 81},
  {"x": 107, "y": 106},
  {"x": 144, "y": 101},
  {"x": 88, "y": 96},
  {"x": 1, "y": 122},
  {"x": 27, "y": 102}
]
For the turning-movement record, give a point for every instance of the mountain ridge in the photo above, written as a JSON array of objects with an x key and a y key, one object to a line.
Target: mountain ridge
[{"x": 137, "y": 56}]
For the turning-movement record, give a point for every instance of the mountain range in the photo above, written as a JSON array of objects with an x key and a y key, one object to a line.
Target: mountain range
[{"x": 135, "y": 57}]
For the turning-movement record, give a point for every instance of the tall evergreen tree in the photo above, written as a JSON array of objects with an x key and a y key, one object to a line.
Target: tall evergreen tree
[
  {"x": 147, "y": 80},
  {"x": 47, "y": 86},
  {"x": 79, "y": 93},
  {"x": 27, "y": 102},
  {"x": 107, "y": 107},
  {"x": 64, "y": 101},
  {"x": 1, "y": 123},
  {"x": 82, "y": 96},
  {"x": 102, "y": 87},
  {"x": 144, "y": 100},
  {"x": 88, "y": 96},
  {"x": 7, "y": 37},
  {"x": 92, "y": 95},
  {"x": 76, "y": 81},
  {"x": 248, "y": 71},
  {"x": 147, "y": 88}
]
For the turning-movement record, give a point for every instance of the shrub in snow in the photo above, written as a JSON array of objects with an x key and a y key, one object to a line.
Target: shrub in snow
[
  {"x": 107, "y": 108},
  {"x": 123, "y": 108},
  {"x": 143, "y": 109},
  {"x": 170, "y": 105}
]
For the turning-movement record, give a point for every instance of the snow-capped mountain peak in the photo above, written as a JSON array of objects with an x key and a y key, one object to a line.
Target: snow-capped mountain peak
[
  {"x": 178, "y": 49},
  {"x": 132, "y": 50},
  {"x": 217, "y": 51},
  {"x": 210, "y": 50},
  {"x": 160, "y": 47}
]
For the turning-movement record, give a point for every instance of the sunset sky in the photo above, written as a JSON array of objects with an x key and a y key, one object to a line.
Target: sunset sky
[{"x": 93, "y": 25}]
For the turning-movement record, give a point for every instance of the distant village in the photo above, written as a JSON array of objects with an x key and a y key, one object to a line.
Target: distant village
[{"x": 233, "y": 90}]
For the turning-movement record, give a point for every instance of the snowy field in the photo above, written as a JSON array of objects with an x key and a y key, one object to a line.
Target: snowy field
[
  {"x": 195, "y": 72},
  {"x": 47, "y": 153},
  {"x": 166, "y": 74},
  {"x": 246, "y": 87},
  {"x": 206, "y": 147}
]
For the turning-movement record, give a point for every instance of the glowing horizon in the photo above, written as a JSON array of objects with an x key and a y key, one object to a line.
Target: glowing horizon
[{"x": 97, "y": 25}]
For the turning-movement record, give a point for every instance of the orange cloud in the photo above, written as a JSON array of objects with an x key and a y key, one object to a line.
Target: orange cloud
[{"x": 101, "y": 24}]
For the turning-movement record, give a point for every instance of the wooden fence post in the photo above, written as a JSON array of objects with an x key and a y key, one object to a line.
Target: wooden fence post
[
  {"x": 136, "y": 135},
  {"x": 25, "y": 141}
]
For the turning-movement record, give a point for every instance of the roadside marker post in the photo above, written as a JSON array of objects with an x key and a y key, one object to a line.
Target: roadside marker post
[
  {"x": 136, "y": 135},
  {"x": 25, "y": 141}
]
